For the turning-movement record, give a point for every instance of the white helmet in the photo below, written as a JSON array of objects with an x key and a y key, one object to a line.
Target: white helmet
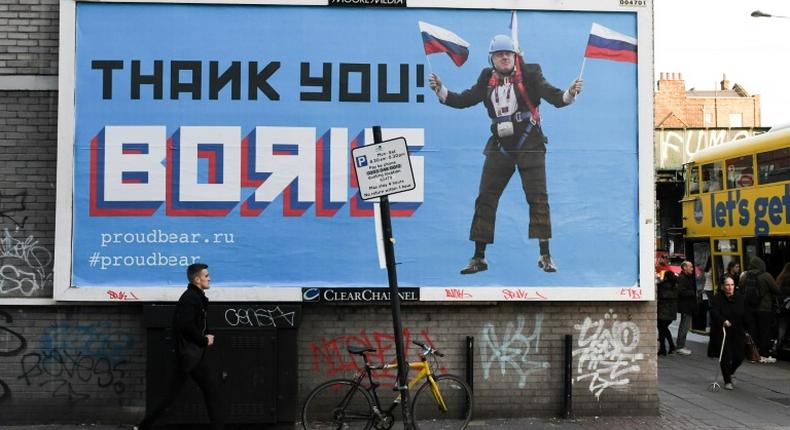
[{"x": 501, "y": 42}]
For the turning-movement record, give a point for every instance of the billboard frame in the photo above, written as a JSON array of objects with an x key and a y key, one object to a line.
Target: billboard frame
[{"x": 644, "y": 290}]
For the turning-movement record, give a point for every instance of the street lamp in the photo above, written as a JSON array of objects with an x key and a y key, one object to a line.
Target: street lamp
[{"x": 760, "y": 14}]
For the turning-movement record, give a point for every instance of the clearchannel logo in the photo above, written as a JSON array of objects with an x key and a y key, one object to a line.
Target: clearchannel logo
[{"x": 311, "y": 294}]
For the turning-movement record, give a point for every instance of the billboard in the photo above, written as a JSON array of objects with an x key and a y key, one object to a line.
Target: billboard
[{"x": 223, "y": 134}]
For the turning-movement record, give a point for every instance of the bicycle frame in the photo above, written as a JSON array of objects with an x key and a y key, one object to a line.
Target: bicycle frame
[{"x": 424, "y": 372}]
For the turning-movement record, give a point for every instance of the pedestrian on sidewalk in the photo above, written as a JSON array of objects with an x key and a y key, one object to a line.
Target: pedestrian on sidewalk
[
  {"x": 760, "y": 317},
  {"x": 783, "y": 314},
  {"x": 191, "y": 341},
  {"x": 667, "y": 309},
  {"x": 687, "y": 304},
  {"x": 734, "y": 272},
  {"x": 727, "y": 311}
]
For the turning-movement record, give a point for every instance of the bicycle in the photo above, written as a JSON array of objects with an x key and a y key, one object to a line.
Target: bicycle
[{"x": 442, "y": 402}]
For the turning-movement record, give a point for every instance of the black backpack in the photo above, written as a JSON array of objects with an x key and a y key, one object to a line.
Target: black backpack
[{"x": 751, "y": 290}]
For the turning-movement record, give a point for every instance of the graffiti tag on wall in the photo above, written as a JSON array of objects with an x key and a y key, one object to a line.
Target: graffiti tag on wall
[
  {"x": 64, "y": 372},
  {"x": 25, "y": 266},
  {"x": 331, "y": 357},
  {"x": 512, "y": 349},
  {"x": 10, "y": 205},
  {"x": 606, "y": 352},
  {"x": 75, "y": 357},
  {"x": 11, "y": 344},
  {"x": 675, "y": 147},
  {"x": 259, "y": 317}
]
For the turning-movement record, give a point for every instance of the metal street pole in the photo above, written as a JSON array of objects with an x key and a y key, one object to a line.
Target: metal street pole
[
  {"x": 761, "y": 14},
  {"x": 389, "y": 254}
]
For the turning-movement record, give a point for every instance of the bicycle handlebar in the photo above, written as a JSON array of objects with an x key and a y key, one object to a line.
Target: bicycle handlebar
[{"x": 427, "y": 350}]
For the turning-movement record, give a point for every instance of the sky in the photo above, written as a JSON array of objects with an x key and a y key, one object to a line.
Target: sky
[{"x": 703, "y": 39}]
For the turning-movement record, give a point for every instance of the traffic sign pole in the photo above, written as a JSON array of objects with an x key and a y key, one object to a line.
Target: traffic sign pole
[{"x": 389, "y": 254}]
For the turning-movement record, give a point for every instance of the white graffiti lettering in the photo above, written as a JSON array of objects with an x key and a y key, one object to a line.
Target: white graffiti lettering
[
  {"x": 607, "y": 352},
  {"x": 25, "y": 267},
  {"x": 675, "y": 147},
  {"x": 259, "y": 317},
  {"x": 513, "y": 350}
]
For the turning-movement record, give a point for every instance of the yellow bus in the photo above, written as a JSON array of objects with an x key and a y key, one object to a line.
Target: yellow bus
[{"x": 737, "y": 204}]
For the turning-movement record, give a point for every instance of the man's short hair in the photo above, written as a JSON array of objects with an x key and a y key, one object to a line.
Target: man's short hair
[
  {"x": 685, "y": 264},
  {"x": 194, "y": 270}
]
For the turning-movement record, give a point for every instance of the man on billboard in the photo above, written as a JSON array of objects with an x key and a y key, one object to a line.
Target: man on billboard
[{"x": 511, "y": 92}]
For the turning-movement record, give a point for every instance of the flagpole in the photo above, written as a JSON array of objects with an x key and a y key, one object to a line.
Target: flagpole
[
  {"x": 581, "y": 72},
  {"x": 430, "y": 68}
]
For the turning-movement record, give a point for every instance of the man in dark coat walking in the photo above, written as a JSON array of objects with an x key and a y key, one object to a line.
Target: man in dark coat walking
[
  {"x": 191, "y": 341},
  {"x": 687, "y": 304}
]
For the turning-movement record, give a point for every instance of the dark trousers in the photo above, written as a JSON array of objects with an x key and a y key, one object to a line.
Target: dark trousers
[
  {"x": 664, "y": 334},
  {"x": 498, "y": 168},
  {"x": 763, "y": 339},
  {"x": 208, "y": 381},
  {"x": 783, "y": 322},
  {"x": 732, "y": 356},
  {"x": 700, "y": 319}
]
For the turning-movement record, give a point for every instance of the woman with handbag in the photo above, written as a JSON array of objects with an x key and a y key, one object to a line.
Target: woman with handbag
[
  {"x": 727, "y": 311},
  {"x": 783, "y": 313}
]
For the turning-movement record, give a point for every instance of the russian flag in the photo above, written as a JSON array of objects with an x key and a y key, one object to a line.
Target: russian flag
[
  {"x": 436, "y": 39},
  {"x": 610, "y": 45}
]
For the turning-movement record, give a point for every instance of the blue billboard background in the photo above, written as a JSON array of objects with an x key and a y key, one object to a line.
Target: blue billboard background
[{"x": 591, "y": 161}]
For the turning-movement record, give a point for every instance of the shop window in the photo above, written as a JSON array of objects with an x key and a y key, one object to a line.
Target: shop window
[{"x": 736, "y": 120}]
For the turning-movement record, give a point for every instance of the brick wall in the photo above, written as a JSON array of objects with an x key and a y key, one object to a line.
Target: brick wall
[
  {"x": 518, "y": 353},
  {"x": 677, "y": 108},
  {"x": 28, "y": 128},
  {"x": 29, "y": 37},
  {"x": 84, "y": 363},
  {"x": 87, "y": 363}
]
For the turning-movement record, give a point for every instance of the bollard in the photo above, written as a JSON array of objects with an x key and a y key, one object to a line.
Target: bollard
[{"x": 568, "y": 376}]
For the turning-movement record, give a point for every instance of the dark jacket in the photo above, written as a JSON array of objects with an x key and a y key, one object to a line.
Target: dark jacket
[
  {"x": 765, "y": 282},
  {"x": 189, "y": 327},
  {"x": 536, "y": 86},
  {"x": 667, "y": 295},
  {"x": 730, "y": 309},
  {"x": 784, "y": 291},
  {"x": 687, "y": 294}
]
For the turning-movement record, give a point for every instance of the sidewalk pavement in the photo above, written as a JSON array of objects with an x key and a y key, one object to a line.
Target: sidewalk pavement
[{"x": 760, "y": 401}]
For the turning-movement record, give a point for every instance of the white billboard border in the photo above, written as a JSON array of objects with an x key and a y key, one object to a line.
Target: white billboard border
[{"x": 643, "y": 291}]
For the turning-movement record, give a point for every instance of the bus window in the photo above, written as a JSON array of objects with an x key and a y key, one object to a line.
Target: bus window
[
  {"x": 712, "y": 177},
  {"x": 774, "y": 166},
  {"x": 726, "y": 245},
  {"x": 720, "y": 264},
  {"x": 693, "y": 180},
  {"x": 739, "y": 172}
]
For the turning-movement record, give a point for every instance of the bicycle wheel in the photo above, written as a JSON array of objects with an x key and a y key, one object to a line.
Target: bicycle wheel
[
  {"x": 427, "y": 413},
  {"x": 338, "y": 404}
]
